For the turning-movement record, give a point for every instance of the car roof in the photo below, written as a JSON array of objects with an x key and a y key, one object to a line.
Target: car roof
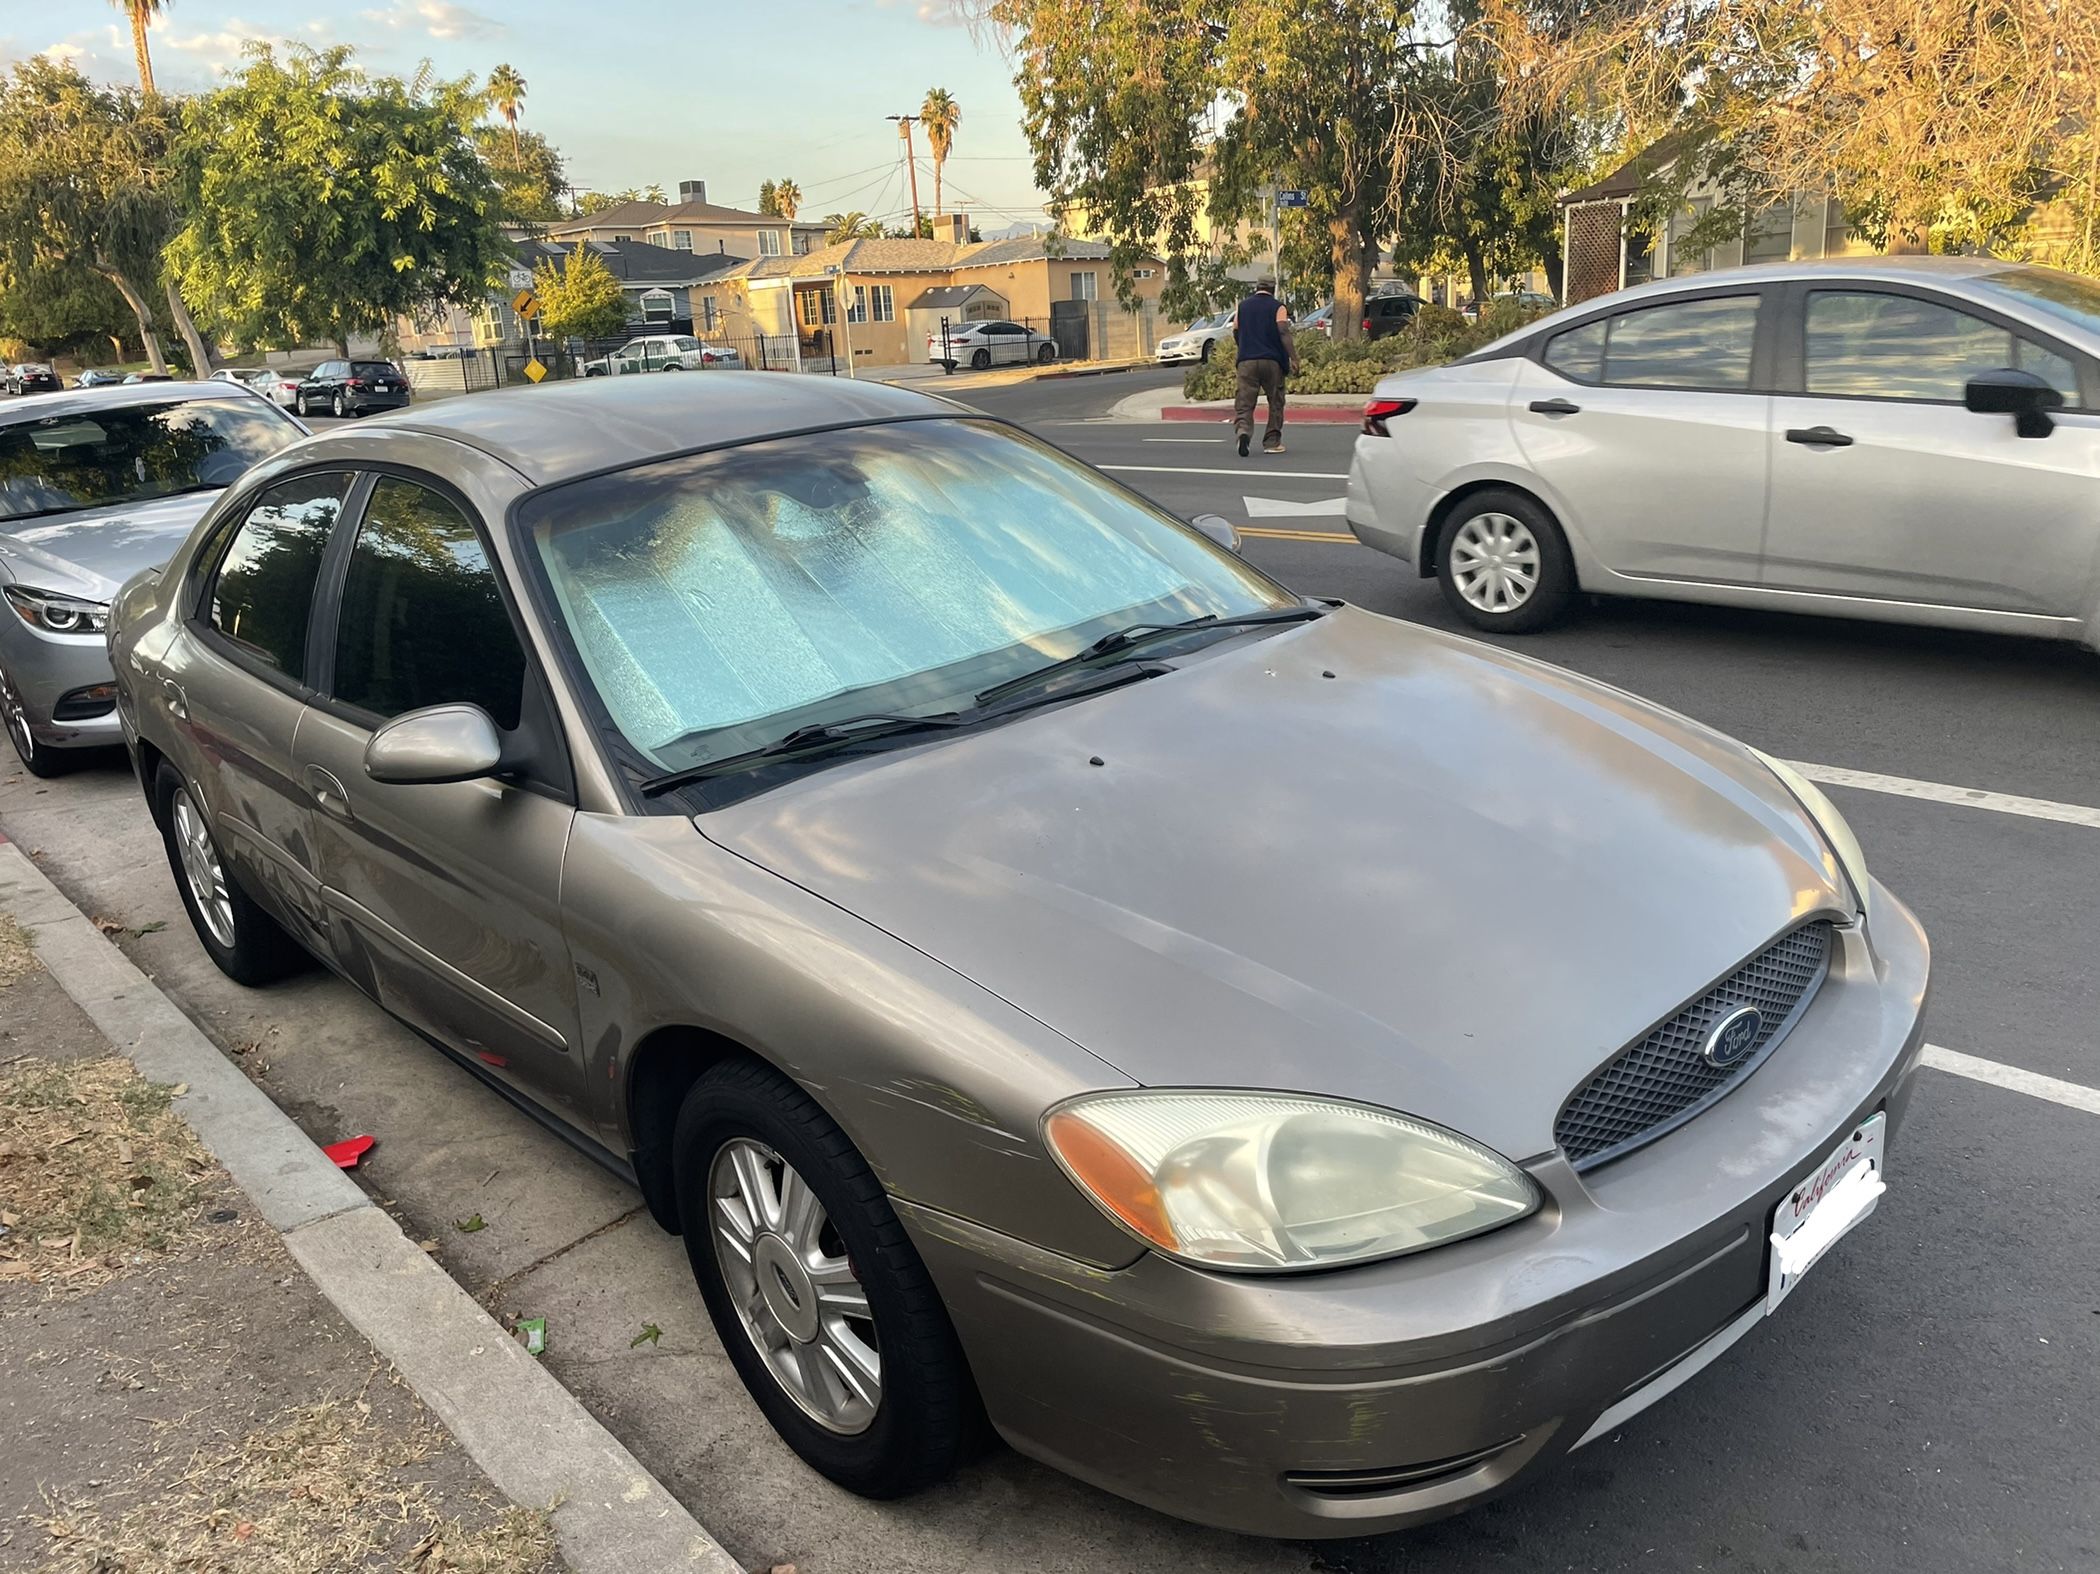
[
  {"x": 561, "y": 430},
  {"x": 114, "y": 394}
]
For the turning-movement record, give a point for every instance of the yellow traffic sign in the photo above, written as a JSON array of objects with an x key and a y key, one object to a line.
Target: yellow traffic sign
[
  {"x": 534, "y": 369},
  {"x": 525, "y": 304}
]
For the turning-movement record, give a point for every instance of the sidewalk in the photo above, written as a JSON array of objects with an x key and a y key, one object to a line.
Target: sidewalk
[
  {"x": 175, "y": 1393},
  {"x": 159, "y": 1209}
]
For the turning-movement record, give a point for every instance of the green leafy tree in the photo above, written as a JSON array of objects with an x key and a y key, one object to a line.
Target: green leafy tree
[
  {"x": 855, "y": 225},
  {"x": 506, "y": 94},
  {"x": 140, "y": 13},
  {"x": 589, "y": 202},
  {"x": 83, "y": 185},
  {"x": 529, "y": 174},
  {"x": 769, "y": 196},
  {"x": 580, "y": 299},
  {"x": 54, "y": 308},
  {"x": 324, "y": 202},
  {"x": 939, "y": 115}
]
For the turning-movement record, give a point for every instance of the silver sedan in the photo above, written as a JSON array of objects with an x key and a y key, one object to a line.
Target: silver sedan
[
  {"x": 1295, "y": 1069},
  {"x": 1908, "y": 439}
]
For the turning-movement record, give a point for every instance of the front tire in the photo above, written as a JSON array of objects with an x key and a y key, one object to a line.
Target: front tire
[
  {"x": 1503, "y": 563},
  {"x": 818, "y": 1297},
  {"x": 980, "y": 360},
  {"x": 299, "y": 405},
  {"x": 1046, "y": 354},
  {"x": 340, "y": 409},
  {"x": 245, "y": 942},
  {"x": 39, "y": 759},
  {"x": 1204, "y": 353}
]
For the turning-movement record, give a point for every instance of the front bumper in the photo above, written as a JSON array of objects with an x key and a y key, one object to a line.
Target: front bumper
[
  {"x": 41, "y": 669},
  {"x": 1370, "y": 1399}
]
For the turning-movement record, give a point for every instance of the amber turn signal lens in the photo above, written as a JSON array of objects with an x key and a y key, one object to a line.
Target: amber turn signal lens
[{"x": 1112, "y": 1176}]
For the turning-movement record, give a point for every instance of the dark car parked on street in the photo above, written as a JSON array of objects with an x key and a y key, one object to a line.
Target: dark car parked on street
[
  {"x": 346, "y": 388},
  {"x": 1388, "y": 314},
  {"x": 32, "y": 377}
]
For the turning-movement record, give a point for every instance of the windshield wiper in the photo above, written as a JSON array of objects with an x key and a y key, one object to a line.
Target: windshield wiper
[
  {"x": 1117, "y": 641},
  {"x": 805, "y": 740}
]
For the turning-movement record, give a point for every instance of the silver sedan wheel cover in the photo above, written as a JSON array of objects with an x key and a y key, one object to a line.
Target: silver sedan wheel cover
[
  {"x": 1495, "y": 562},
  {"x": 793, "y": 1287},
  {"x": 201, "y": 869},
  {"x": 17, "y": 719}
]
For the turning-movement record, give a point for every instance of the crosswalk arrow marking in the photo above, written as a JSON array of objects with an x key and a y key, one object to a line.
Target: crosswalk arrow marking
[{"x": 1282, "y": 507}]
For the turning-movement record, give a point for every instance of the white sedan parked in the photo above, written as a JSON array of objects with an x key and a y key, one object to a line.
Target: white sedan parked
[
  {"x": 1194, "y": 342},
  {"x": 1913, "y": 440},
  {"x": 671, "y": 352},
  {"x": 981, "y": 344}
]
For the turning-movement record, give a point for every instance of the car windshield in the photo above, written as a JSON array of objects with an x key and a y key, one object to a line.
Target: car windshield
[
  {"x": 132, "y": 453},
  {"x": 2061, "y": 295},
  {"x": 719, "y": 601}
]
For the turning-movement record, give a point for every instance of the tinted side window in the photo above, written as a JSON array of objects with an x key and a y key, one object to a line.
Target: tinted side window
[
  {"x": 1686, "y": 344},
  {"x": 1881, "y": 346},
  {"x": 262, "y": 596},
  {"x": 422, "y": 620},
  {"x": 1580, "y": 351}
]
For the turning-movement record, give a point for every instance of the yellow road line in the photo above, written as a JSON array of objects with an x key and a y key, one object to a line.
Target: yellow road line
[{"x": 1296, "y": 535}]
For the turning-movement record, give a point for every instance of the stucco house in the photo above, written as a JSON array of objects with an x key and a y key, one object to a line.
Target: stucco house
[{"x": 693, "y": 224}]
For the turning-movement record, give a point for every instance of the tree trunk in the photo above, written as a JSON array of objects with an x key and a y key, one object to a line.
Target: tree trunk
[
  {"x": 513, "y": 118},
  {"x": 1549, "y": 260},
  {"x": 138, "y": 47},
  {"x": 939, "y": 160},
  {"x": 1476, "y": 271},
  {"x": 200, "y": 359},
  {"x": 1346, "y": 253},
  {"x": 148, "y": 334}
]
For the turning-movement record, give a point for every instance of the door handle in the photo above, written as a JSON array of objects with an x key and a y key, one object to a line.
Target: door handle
[
  {"x": 1818, "y": 437},
  {"x": 329, "y": 796},
  {"x": 1554, "y": 407},
  {"x": 178, "y": 707}
]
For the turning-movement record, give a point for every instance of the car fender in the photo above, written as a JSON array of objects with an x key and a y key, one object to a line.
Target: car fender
[{"x": 1499, "y": 472}]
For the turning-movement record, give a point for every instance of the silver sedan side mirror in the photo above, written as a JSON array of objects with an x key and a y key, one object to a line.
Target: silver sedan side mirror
[
  {"x": 440, "y": 743},
  {"x": 1219, "y": 529}
]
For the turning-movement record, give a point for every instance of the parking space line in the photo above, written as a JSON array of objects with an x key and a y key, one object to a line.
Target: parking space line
[
  {"x": 1940, "y": 792},
  {"x": 1244, "y": 472},
  {"x": 2032, "y": 1083}
]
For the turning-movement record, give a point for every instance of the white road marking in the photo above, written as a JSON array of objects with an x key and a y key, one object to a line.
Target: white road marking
[
  {"x": 1940, "y": 792},
  {"x": 1207, "y": 442},
  {"x": 2032, "y": 1083},
  {"x": 1278, "y": 507},
  {"x": 1242, "y": 472}
]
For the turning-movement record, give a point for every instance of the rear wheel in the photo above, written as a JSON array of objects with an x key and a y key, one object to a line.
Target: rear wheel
[
  {"x": 1046, "y": 354},
  {"x": 815, "y": 1291},
  {"x": 245, "y": 942},
  {"x": 981, "y": 359},
  {"x": 1503, "y": 563}
]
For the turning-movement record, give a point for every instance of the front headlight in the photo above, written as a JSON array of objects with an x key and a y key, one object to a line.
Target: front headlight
[
  {"x": 1843, "y": 844},
  {"x": 56, "y": 614},
  {"x": 1271, "y": 1182}
]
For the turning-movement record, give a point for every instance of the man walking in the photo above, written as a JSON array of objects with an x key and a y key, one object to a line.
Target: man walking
[{"x": 1267, "y": 348}]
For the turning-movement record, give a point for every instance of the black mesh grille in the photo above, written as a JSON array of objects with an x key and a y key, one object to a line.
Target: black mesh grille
[{"x": 1665, "y": 1076}]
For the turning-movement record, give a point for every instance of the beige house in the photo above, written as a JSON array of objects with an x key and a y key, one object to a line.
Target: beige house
[{"x": 694, "y": 224}]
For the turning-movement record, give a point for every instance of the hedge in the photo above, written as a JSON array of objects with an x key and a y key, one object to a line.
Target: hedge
[{"x": 1436, "y": 335}]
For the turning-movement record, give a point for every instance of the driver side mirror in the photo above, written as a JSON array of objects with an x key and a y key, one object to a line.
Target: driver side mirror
[
  {"x": 440, "y": 743},
  {"x": 2021, "y": 395},
  {"x": 1219, "y": 529}
]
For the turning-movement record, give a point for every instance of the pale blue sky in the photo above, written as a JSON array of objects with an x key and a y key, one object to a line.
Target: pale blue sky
[{"x": 635, "y": 91}]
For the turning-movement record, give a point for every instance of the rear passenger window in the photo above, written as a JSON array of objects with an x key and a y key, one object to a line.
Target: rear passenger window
[
  {"x": 422, "y": 621},
  {"x": 262, "y": 597},
  {"x": 1703, "y": 344}
]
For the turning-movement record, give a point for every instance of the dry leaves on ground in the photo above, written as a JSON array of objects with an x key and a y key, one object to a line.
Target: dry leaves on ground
[
  {"x": 94, "y": 1167},
  {"x": 325, "y": 1487},
  {"x": 17, "y": 955}
]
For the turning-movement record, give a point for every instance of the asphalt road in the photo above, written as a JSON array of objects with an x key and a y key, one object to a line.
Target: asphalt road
[{"x": 1929, "y": 1400}]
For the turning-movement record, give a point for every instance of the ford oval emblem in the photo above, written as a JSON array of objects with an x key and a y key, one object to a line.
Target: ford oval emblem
[{"x": 1733, "y": 1037}]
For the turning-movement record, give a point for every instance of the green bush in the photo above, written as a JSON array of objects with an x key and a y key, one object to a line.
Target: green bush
[{"x": 1436, "y": 335}]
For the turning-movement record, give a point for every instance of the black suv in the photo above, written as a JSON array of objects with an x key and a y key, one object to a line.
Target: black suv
[
  {"x": 351, "y": 388},
  {"x": 1388, "y": 314}
]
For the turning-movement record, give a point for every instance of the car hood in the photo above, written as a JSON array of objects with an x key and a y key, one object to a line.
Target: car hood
[
  {"x": 1356, "y": 857},
  {"x": 94, "y": 550}
]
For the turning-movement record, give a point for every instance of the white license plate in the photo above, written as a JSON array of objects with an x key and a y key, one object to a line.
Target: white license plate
[{"x": 1829, "y": 1200}]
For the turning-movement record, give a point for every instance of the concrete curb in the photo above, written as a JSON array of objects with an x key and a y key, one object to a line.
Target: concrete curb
[
  {"x": 530, "y": 1436},
  {"x": 1297, "y": 412}
]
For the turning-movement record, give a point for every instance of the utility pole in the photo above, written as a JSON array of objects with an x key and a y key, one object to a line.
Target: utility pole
[{"x": 904, "y": 125}]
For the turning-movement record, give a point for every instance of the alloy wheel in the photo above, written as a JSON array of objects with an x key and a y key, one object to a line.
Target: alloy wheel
[
  {"x": 1495, "y": 562},
  {"x": 793, "y": 1286},
  {"x": 201, "y": 868},
  {"x": 339, "y": 407},
  {"x": 17, "y": 720}
]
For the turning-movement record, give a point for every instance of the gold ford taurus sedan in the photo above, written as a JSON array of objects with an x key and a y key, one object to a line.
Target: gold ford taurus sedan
[{"x": 1298, "y": 1070}]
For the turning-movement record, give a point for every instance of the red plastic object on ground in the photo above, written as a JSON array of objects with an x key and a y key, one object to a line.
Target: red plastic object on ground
[{"x": 346, "y": 1153}]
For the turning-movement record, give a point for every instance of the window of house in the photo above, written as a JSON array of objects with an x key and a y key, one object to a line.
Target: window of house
[
  {"x": 1144, "y": 273},
  {"x": 1685, "y": 258},
  {"x": 1770, "y": 236},
  {"x": 656, "y": 305},
  {"x": 623, "y": 237},
  {"x": 681, "y": 240},
  {"x": 1837, "y": 230},
  {"x": 882, "y": 301},
  {"x": 769, "y": 243},
  {"x": 422, "y": 621},
  {"x": 858, "y": 311},
  {"x": 1703, "y": 344},
  {"x": 800, "y": 241},
  {"x": 262, "y": 596},
  {"x": 1882, "y": 346},
  {"x": 658, "y": 237},
  {"x": 1086, "y": 285},
  {"x": 1640, "y": 255}
]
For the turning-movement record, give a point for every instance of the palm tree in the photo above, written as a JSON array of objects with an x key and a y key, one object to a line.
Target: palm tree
[
  {"x": 939, "y": 116},
  {"x": 507, "y": 97},
  {"x": 849, "y": 226},
  {"x": 142, "y": 13},
  {"x": 787, "y": 200}
]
